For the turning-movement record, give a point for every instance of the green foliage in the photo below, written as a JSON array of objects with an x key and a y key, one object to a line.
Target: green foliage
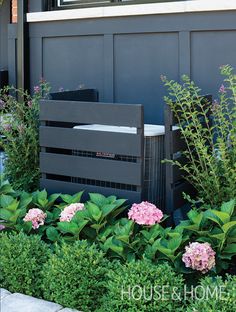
[
  {"x": 166, "y": 244},
  {"x": 20, "y": 129},
  {"x": 75, "y": 276},
  {"x": 215, "y": 295},
  {"x": 120, "y": 240},
  {"x": 13, "y": 209},
  {"x": 42, "y": 200},
  {"x": 21, "y": 259},
  {"x": 137, "y": 286},
  {"x": 5, "y": 187},
  {"x": 70, "y": 199},
  {"x": 210, "y": 135},
  {"x": 100, "y": 212},
  {"x": 15, "y": 205},
  {"x": 217, "y": 227}
]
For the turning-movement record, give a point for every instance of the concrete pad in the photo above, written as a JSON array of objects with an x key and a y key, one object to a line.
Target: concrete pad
[
  {"x": 22, "y": 303},
  {"x": 4, "y": 293}
]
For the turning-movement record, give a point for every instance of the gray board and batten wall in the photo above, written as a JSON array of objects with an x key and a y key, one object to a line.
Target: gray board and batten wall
[
  {"x": 4, "y": 20},
  {"x": 123, "y": 57}
]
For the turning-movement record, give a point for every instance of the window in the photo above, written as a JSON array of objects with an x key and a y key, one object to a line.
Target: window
[{"x": 68, "y": 4}]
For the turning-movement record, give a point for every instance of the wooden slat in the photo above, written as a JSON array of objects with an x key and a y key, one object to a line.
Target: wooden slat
[
  {"x": 178, "y": 143},
  {"x": 129, "y": 115},
  {"x": 168, "y": 167},
  {"x": 173, "y": 144},
  {"x": 91, "y": 168},
  {"x": 178, "y": 199},
  {"x": 206, "y": 101},
  {"x": 53, "y": 186},
  {"x": 177, "y": 174},
  {"x": 94, "y": 141}
]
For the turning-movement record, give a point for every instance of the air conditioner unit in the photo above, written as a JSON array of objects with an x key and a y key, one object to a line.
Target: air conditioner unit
[{"x": 154, "y": 173}]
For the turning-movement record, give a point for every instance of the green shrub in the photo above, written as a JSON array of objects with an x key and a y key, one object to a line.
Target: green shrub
[
  {"x": 21, "y": 260},
  {"x": 75, "y": 276},
  {"x": 137, "y": 287},
  {"x": 210, "y": 136},
  {"x": 20, "y": 128},
  {"x": 215, "y": 295}
]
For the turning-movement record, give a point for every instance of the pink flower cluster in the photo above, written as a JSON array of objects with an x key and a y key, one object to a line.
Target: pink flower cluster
[
  {"x": 145, "y": 213},
  {"x": 36, "y": 216},
  {"x": 69, "y": 211},
  {"x": 2, "y": 227},
  {"x": 199, "y": 256}
]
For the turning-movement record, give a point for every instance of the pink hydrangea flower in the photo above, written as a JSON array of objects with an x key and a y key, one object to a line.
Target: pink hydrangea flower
[
  {"x": 145, "y": 213},
  {"x": 2, "y": 227},
  {"x": 36, "y": 216},
  {"x": 69, "y": 211},
  {"x": 199, "y": 256}
]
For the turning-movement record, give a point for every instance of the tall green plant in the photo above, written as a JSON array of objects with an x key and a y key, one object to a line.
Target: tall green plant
[
  {"x": 210, "y": 136},
  {"x": 20, "y": 140}
]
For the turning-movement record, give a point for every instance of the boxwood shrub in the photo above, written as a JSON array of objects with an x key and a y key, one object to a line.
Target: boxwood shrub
[
  {"x": 21, "y": 260},
  {"x": 215, "y": 295},
  {"x": 142, "y": 287},
  {"x": 74, "y": 276}
]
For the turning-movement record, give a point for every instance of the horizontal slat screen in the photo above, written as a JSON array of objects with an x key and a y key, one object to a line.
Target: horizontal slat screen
[
  {"x": 179, "y": 200},
  {"x": 174, "y": 144},
  {"x": 128, "y": 115},
  {"x": 96, "y": 161},
  {"x": 91, "y": 168},
  {"x": 178, "y": 143},
  {"x": 206, "y": 103},
  {"x": 94, "y": 141}
]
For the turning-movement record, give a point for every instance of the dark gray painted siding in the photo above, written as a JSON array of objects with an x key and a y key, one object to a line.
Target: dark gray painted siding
[
  {"x": 4, "y": 20},
  {"x": 12, "y": 59},
  {"x": 139, "y": 60},
  {"x": 124, "y": 57},
  {"x": 75, "y": 61}
]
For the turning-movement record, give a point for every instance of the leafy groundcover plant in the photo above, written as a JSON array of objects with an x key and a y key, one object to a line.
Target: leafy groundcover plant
[
  {"x": 20, "y": 129},
  {"x": 209, "y": 131}
]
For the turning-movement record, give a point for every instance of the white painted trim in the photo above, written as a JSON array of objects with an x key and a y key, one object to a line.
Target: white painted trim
[{"x": 134, "y": 10}]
